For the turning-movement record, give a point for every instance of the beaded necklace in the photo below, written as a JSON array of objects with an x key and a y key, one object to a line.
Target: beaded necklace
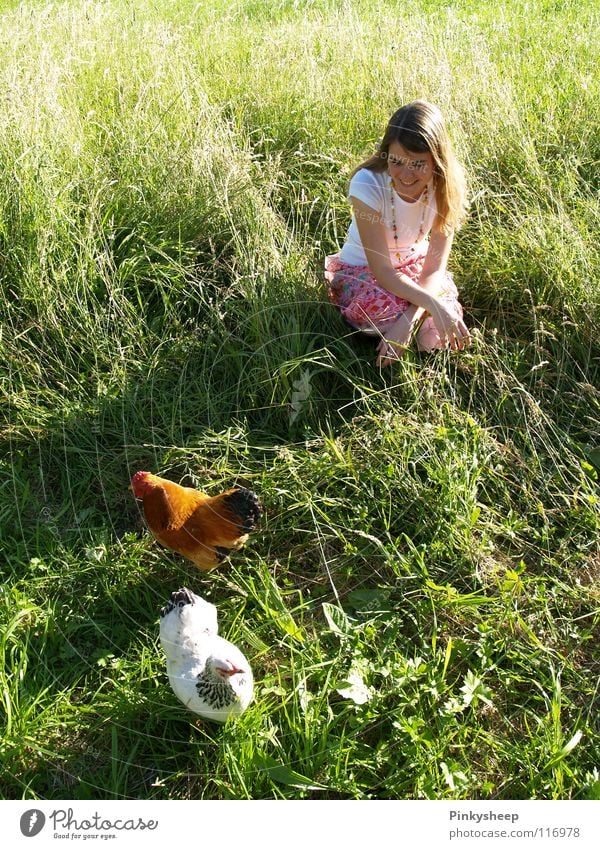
[{"x": 424, "y": 199}]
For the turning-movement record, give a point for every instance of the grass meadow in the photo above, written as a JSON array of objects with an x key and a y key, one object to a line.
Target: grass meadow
[{"x": 421, "y": 603}]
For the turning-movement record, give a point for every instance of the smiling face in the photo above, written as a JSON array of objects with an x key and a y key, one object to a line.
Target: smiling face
[{"x": 410, "y": 172}]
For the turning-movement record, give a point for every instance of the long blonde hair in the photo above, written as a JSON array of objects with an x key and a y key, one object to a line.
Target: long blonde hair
[{"x": 419, "y": 127}]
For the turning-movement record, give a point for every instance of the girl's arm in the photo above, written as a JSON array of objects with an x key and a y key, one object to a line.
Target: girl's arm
[
  {"x": 436, "y": 260},
  {"x": 398, "y": 336},
  {"x": 371, "y": 230},
  {"x": 423, "y": 295}
]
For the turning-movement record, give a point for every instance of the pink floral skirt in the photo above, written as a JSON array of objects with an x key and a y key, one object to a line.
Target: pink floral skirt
[{"x": 370, "y": 308}]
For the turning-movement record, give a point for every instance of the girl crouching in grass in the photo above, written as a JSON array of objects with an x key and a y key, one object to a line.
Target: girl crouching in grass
[{"x": 407, "y": 202}]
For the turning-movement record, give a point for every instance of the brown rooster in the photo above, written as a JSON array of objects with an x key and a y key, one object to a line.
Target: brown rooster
[{"x": 202, "y": 528}]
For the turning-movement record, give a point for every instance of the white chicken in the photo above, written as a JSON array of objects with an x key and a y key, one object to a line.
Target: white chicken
[{"x": 208, "y": 674}]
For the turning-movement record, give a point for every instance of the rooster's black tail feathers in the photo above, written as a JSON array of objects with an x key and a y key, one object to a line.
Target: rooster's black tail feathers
[{"x": 244, "y": 504}]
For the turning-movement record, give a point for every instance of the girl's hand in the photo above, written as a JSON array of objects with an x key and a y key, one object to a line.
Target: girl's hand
[
  {"x": 394, "y": 344},
  {"x": 451, "y": 328},
  {"x": 388, "y": 352}
]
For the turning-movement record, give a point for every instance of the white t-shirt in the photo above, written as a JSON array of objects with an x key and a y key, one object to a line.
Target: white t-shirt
[{"x": 373, "y": 188}]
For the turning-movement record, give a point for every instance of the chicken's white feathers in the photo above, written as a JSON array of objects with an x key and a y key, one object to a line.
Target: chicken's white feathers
[{"x": 208, "y": 674}]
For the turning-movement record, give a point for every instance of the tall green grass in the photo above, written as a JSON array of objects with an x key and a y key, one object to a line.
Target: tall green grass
[{"x": 421, "y": 604}]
